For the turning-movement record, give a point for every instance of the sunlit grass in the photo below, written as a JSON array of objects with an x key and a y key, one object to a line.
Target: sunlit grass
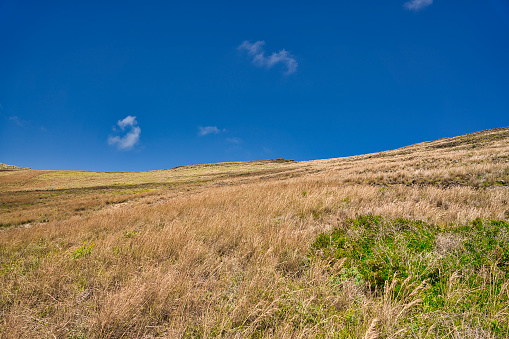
[{"x": 263, "y": 249}]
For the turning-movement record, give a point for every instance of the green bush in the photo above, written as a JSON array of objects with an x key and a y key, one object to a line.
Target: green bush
[{"x": 83, "y": 251}]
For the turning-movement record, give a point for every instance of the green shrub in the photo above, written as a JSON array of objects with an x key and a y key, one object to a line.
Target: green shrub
[{"x": 83, "y": 251}]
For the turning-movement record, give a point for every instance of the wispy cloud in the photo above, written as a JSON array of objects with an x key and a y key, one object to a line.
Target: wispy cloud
[
  {"x": 256, "y": 51},
  {"x": 234, "y": 140},
  {"x": 417, "y": 5},
  {"x": 202, "y": 131},
  {"x": 17, "y": 120},
  {"x": 131, "y": 138}
]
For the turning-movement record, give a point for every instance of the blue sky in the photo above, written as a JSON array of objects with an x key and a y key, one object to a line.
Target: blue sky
[{"x": 142, "y": 85}]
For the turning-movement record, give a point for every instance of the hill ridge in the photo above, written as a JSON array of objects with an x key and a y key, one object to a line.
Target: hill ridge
[{"x": 5, "y": 167}]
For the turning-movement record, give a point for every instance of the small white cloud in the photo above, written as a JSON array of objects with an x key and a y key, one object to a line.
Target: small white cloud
[
  {"x": 202, "y": 131},
  {"x": 234, "y": 140},
  {"x": 16, "y": 120},
  {"x": 257, "y": 52},
  {"x": 252, "y": 48},
  {"x": 417, "y": 5},
  {"x": 127, "y": 121},
  {"x": 284, "y": 57},
  {"x": 131, "y": 138}
]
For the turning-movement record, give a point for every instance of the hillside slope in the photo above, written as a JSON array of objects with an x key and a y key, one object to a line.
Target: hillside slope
[
  {"x": 4, "y": 167},
  {"x": 412, "y": 242}
]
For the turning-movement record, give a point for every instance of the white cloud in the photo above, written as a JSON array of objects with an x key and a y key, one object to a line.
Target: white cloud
[
  {"x": 252, "y": 48},
  {"x": 234, "y": 140},
  {"x": 257, "y": 52},
  {"x": 209, "y": 130},
  {"x": 16, "y": 120},
  {"x": 131, "y": 138},
  {"x": 127, "y": 121},
  {"x": 417, "y": 5}
]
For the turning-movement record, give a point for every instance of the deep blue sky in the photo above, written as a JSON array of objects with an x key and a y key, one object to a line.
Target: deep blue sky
[{"x": 370, "y": 76}]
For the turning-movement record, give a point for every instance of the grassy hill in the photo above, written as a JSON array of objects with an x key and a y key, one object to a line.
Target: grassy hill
[{"x": 412, "y": 242}]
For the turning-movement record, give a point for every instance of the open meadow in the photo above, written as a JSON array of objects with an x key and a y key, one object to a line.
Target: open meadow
[{"x": 409, "y": 243}]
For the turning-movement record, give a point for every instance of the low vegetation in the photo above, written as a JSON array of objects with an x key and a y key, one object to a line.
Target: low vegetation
[
  {"x": 450, "y": 279},
  {"x": 406, "y": 243}
]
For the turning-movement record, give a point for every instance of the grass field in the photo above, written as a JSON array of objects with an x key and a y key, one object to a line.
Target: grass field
[{"x": 410, "y": 243}]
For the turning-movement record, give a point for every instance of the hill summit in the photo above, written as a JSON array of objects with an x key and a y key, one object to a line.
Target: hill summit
[{"x": 5, "y": 167}]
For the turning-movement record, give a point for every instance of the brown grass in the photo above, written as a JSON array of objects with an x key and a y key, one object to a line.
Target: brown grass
[{"x": 222, "y": 251}]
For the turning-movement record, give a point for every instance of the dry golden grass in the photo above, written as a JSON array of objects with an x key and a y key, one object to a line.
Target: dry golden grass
[{"x": 224, "y": 250}]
